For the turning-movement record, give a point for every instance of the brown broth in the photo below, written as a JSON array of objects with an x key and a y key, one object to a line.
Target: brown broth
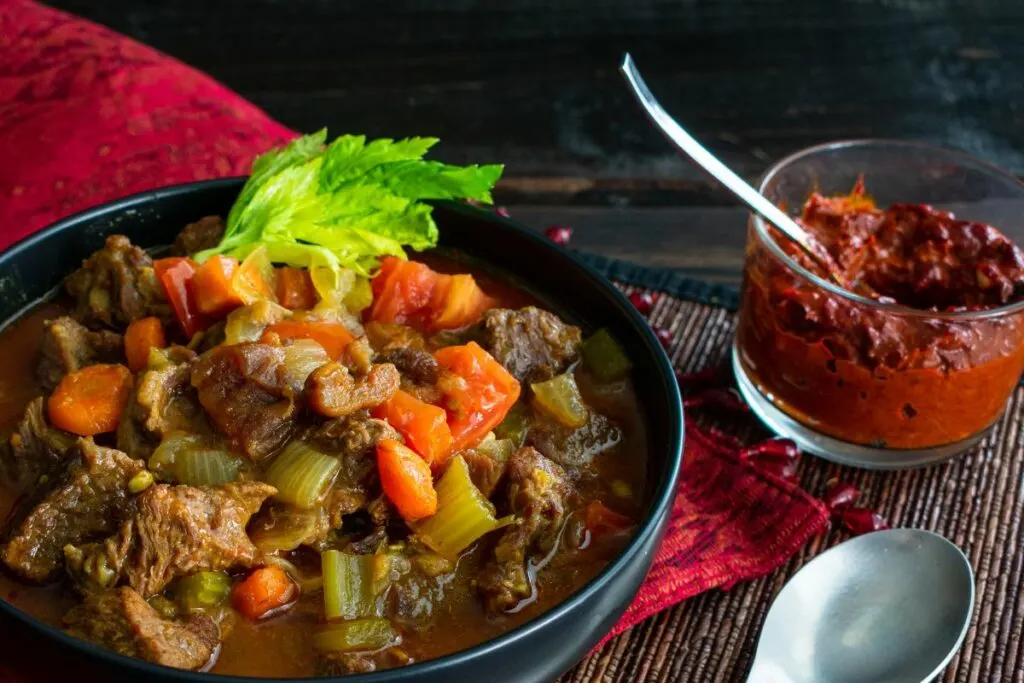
[{"x": 280, "y": 646}]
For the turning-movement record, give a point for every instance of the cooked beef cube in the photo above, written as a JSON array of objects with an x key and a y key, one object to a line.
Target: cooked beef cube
[
  {"x": 171, "y": 531},
  {"x": 369, "y": 544},
  {"x": 338, "y": 664},
  {"x": 358, "y": 356},
  {"x": 205, "y": 233},
  {"x": 415, "y": 365},
  {"x": 163, "y": 402},
  {"x": 212, "y": 337},
  {"x": 386, "y": 337},
  {"x": 537, "y": 492},
  {"x": 352, "y": 436},
  {"x": 333, "y": 391},
  {"x": 532, "y": 344},
  {"x": 571, "y": 448},
  {"x": 34, "y": 449},
  {"x": 353, "y": 439},
  {"x": 68, "y": 346},
  {"x": 244, "y": 390},
  {"x": 117, "y": 285},
  {"x": 121, "y": 620},
  {"x": 88, "y": 502},
  {"x": 485, "y": 470}
]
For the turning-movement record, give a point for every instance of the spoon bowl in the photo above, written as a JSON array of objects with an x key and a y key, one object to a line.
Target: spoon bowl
[{"x": 887, "y": 607}]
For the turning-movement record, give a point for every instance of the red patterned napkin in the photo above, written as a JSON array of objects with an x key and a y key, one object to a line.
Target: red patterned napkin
[{"x": 87, "y": 115}]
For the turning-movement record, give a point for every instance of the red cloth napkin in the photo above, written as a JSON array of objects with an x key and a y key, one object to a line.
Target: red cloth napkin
[{"x": 87, "y": 115}]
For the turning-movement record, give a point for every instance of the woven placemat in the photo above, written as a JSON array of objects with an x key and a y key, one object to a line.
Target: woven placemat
[{"x": 975, "y": 501}]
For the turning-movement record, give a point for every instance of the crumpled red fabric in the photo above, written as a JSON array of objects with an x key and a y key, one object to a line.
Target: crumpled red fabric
[{"x": 87, "y": 115}]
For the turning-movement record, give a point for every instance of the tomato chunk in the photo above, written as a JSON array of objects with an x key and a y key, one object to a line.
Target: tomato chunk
[
  {"x": 176, "y": 275},
  {"x": 423, "y": 426},
  {"x": 477, "y": 392}
]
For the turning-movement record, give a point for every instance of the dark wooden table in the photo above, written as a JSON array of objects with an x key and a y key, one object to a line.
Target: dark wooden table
[{"x": 533, "y": 84}]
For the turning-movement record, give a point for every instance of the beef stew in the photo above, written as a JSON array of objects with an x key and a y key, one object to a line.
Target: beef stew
[{"x": 329, "y": 488}]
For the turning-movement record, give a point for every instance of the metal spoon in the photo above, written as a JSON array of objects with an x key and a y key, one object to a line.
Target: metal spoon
[
  {"x": 888, "y": 607},
  {"x": 732, "y": 182}
]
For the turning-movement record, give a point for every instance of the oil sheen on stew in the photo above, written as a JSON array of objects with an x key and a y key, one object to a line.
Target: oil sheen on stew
[{"x": 226, "y": 467}]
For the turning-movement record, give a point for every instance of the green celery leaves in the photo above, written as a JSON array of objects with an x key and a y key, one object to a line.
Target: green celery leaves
[{"x": 345, "y": 205}]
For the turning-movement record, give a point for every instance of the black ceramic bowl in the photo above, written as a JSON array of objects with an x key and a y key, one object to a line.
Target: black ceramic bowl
[{"x": 537, "y": 651}]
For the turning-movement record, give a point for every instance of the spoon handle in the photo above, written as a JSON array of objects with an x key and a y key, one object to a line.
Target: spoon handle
[{"x": 703, "y": 158}]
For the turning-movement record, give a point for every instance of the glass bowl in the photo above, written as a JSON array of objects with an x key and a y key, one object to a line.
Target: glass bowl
[{"x": 859, "y": 381}]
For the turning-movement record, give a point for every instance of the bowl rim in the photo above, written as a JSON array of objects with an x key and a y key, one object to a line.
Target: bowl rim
[
  {"x": 957, "y": 156},
  {"x": 661, "y": 501}
]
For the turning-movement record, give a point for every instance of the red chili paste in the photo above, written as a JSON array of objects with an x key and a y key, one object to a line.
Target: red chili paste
[{"x": 870, "y": 375}]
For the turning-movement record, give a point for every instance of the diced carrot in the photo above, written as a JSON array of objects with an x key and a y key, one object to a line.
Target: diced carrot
[
  {"x": 481, "y": 396},
  {"x": 141, "y": 336},
  {"x": 424, "y": 426},
  {"x": 334, "y": 337},
  {"x": 602, "y": 520},
  {"x": 406, "y": 480},
  {"x": 254, "y": 278},
  {"x": 263, "y": 591},
  {"x": 213, "y": 286},
  {"x": 295, "y": 288},
  {"x": 457, "y": 301},
  {"x": 91, "y": 400},
  {"x": 176, "y": 275},
  {"x": 401, "y": 291}
]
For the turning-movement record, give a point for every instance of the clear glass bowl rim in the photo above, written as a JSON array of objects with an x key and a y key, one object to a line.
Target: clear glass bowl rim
[{"x": 956, "y": 156}]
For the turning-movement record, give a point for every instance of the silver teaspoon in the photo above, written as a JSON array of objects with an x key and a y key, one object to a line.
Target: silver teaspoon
[
  {"x": 888, "y": 607},
  {"x": 723, "y": 174}
]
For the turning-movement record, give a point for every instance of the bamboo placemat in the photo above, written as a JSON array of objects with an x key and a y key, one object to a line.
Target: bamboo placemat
[{"x": 975, "y": 501}]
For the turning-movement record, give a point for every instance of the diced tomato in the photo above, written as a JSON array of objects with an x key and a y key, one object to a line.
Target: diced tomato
[
  {"x": 401, "y": 291},
  {"x": 457, "y": 301},
  {"x": 213, "y": 286},
  {"x": 423, "y": 426},
  {"x": 411, "y": 293},
  {"x": 477, "y": 392},
  {"x": 295, "y": 288},
  {"x": 176, "y": 275},
  {"x": 333, "y": 337}
]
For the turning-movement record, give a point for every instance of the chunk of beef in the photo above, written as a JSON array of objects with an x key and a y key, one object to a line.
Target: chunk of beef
[
  {"x": 386, "y": 337},
  {"x": 485, "y": 470},
  {"x": 245, "y": 392},
  {"x": 338, "y": 664},
  {"x": 122, "y": 621},
  {"x": 163, "y": 402},
  {"x": 333, "y": 391},
  {"x": 88, "y": 502},
  {"x": 67, "y": 346},
  {"x": 117, "y": 285},
  {"x": 353, "y": 439},
  {"x": 532, "y": 344},
  {"x": 537, "y": 493},
  {"x": 415, "y": 365},
  {"x": 352, "y": 436},
  {"x": 574, "y": 449},
  {"x": 171, "y": 531},
  {"x": 34, "y": 449},
  {"x": 205, "y": 233}
]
